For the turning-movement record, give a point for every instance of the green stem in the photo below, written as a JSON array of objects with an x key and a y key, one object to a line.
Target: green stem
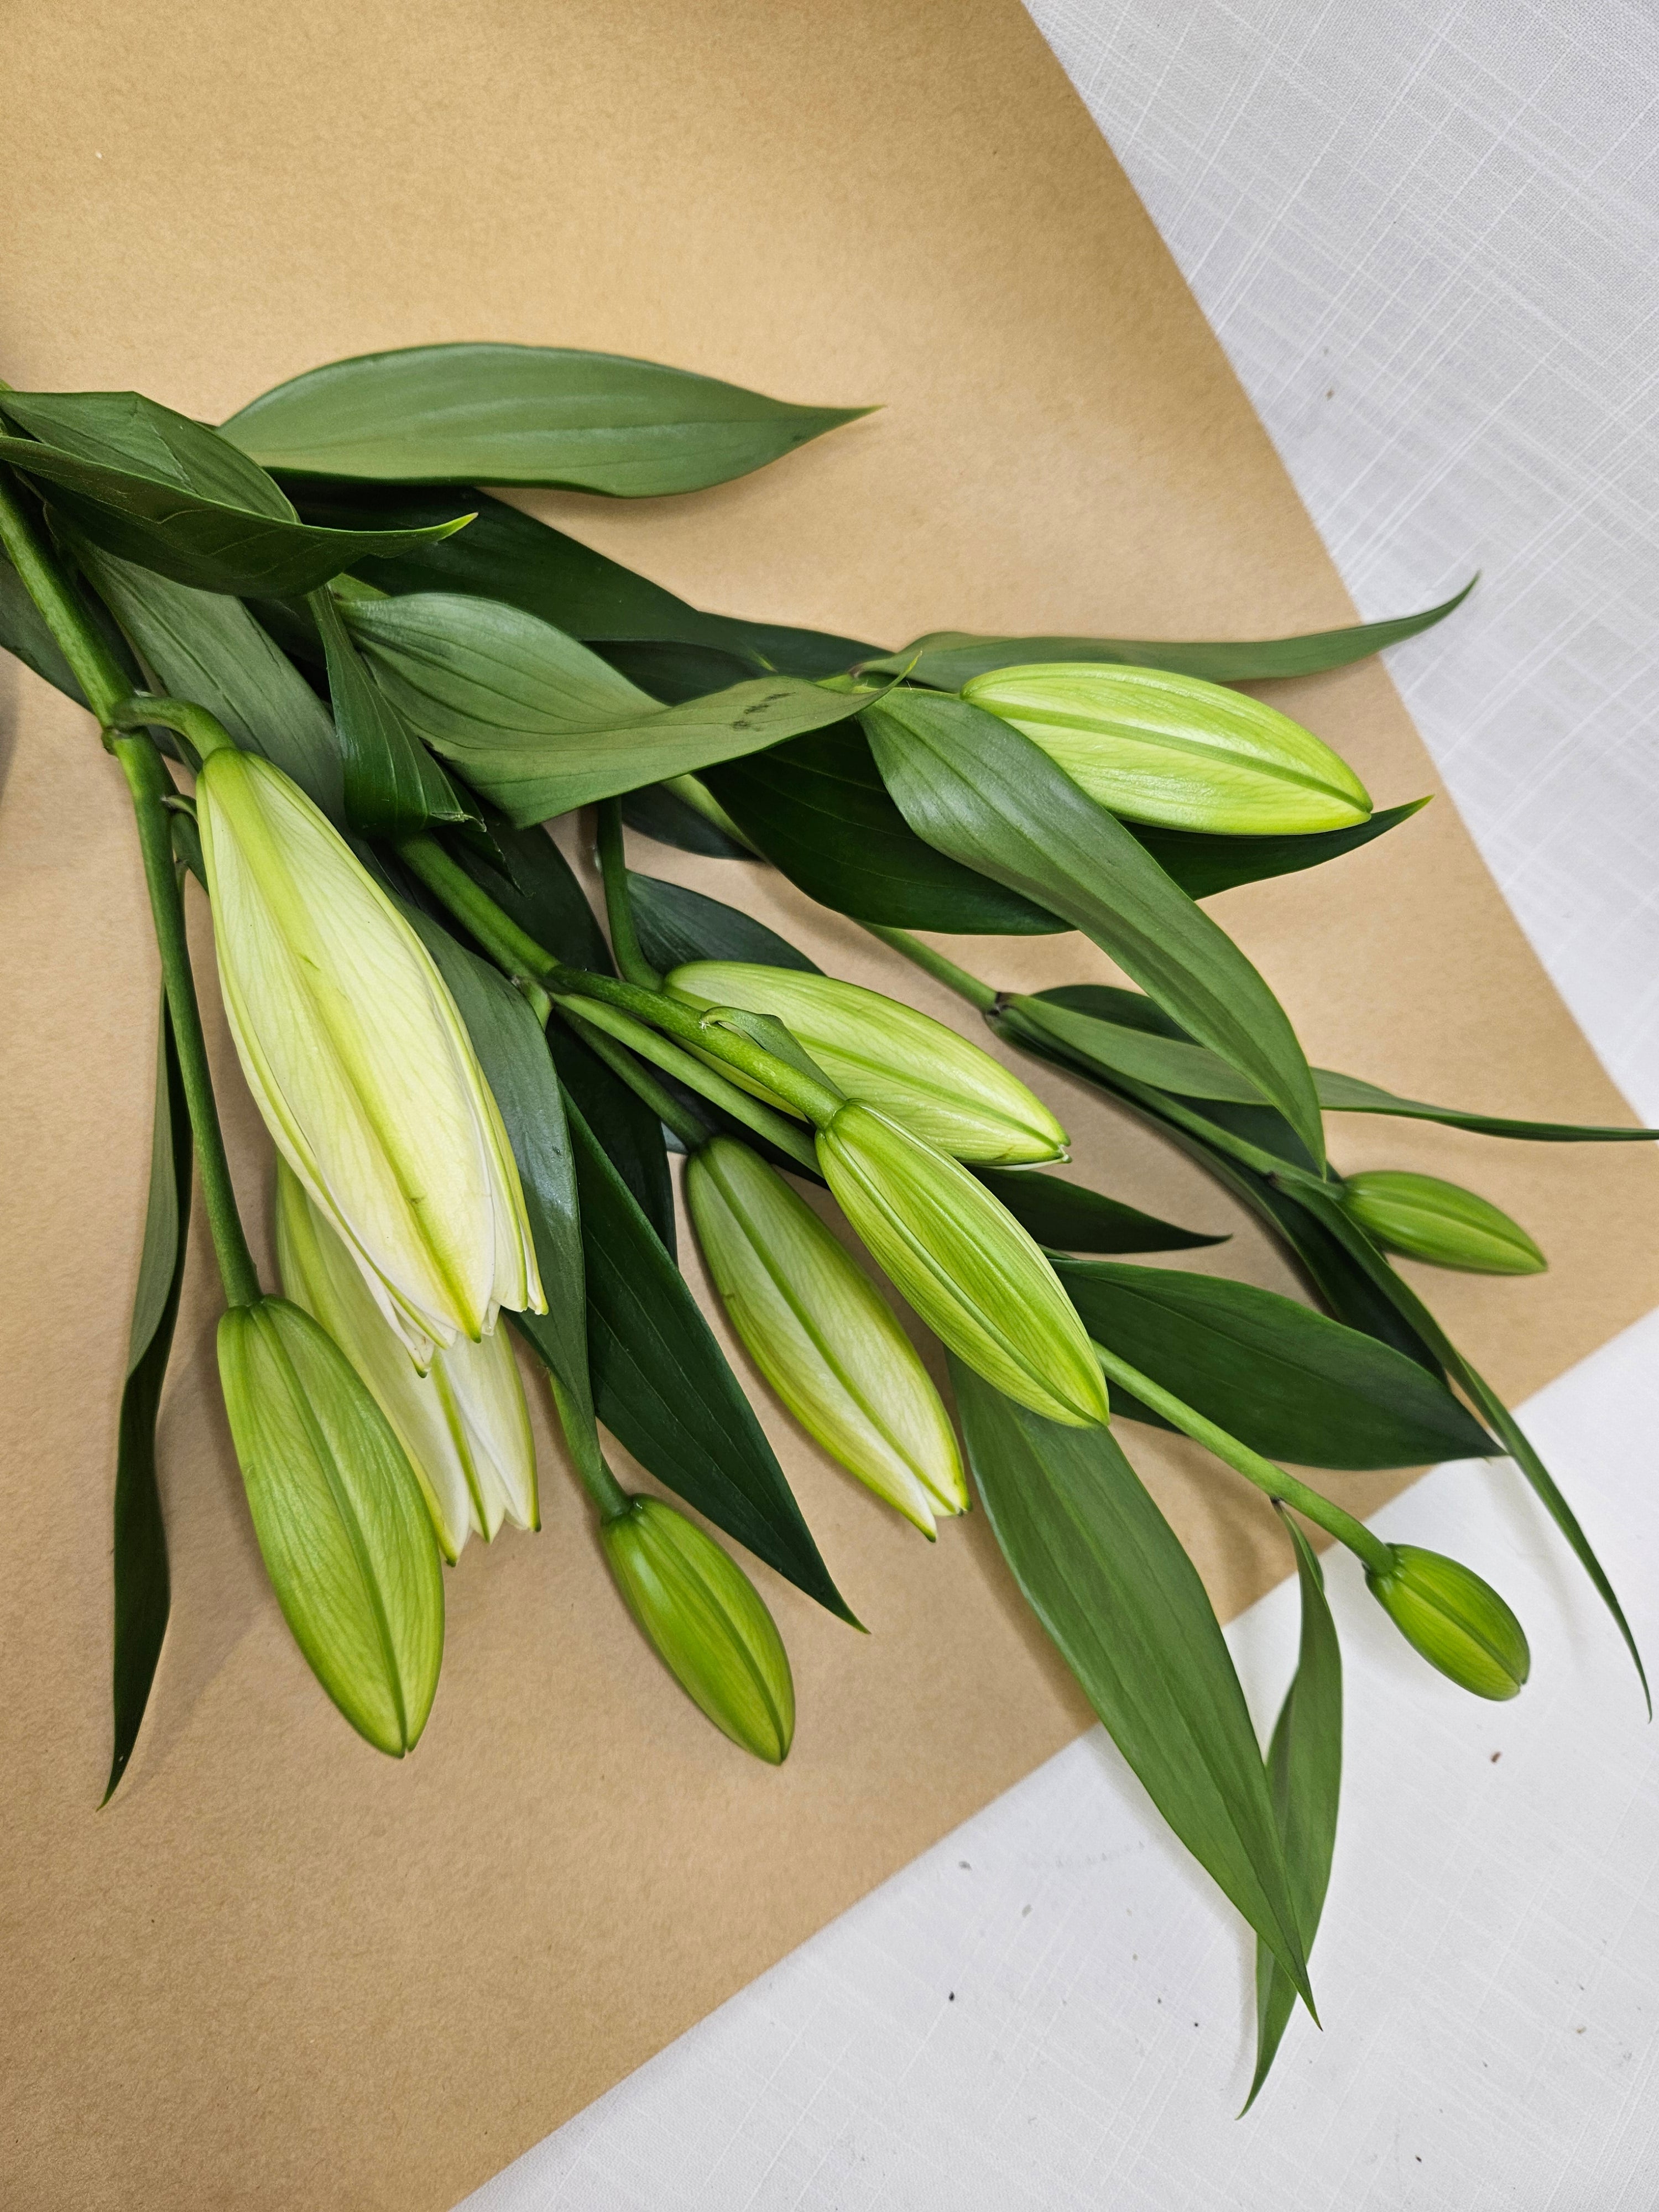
[
  {"x": 934, "y": 964},
  {"x": 1377, "y": 1555},
  {"x": 521, "y": 955},
  {"x": 581, "y": 1435},
  {"x": 49, "y": 584},
  {"x": 618, "y": 906},
  {"x": 201, "y": 731},
  {"x": 151, "y": 785},
  {"x": 589, "y": 1015},
  {"x": 690, "y": 1130}
]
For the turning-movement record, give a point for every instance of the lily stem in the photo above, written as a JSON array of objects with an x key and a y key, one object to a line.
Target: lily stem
[
  {"x": 1322, "y": 1511},
  {"x": 581, "y": 1435},
  {"x": 108, "y": 692},
  {"x": 933, "y": 963},
  {"x": 618, "y": 905},
  {"x": 521, "y": 955}
]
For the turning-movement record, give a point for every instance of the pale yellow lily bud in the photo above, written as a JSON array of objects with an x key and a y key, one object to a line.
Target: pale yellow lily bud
[
  {"x": 821, "y": 1333},
  {"x": 901, "y": 1062},
  {"x": 360, "y": 1063},
  {"x": 346, "y": 1540},
  {"x": 464, "y": 1424},
  {"x": 1157, "y": 747},
  {"x": 965, "y": 1263}
]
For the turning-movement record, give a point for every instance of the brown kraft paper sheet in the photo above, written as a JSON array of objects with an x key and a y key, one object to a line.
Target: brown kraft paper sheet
[{"x": 278, "y": 1971}]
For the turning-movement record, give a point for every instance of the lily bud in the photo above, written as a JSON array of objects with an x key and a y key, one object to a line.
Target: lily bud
[
  {"x": 821, "y": 1333},
  {"x": 359, "y": 1061},
  {"x": 900, "y": 1061},
  {"x": 1457, "y": 1621},
  {"x": 707, "y": 1622},
  {"x": 463, "y": 1425},
  {"x": 1157, "y": 747},
  {"x": 965, "y": 1264},
  {"x": 1440, "y": 1222},
  {"x": 343, "y": 1528}
]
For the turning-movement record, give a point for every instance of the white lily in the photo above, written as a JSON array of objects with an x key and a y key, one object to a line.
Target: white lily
[
  {"x": 360, "y": 1063},
  {"x": 465, "y": 1426}
]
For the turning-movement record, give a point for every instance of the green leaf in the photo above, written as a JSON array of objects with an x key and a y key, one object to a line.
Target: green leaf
[
  {"x": 1304, "y": 1773},
  {"x": 1103, "y": 1573},
  {"x": 1069, "y": 1217},
  {"x": 393, "y": 784},
  {"x": 951, "y": 658},
  {"x": 1167, "y": 1063},
  {"x": 662, "y": 1387},
  {"x": 676, "y": 925},
  {"x": 143, "y": 1591},
  {"x": 505, "y": 555},
  {"x": 153, "y": 487},
  {"x": 1290, "y": 1384},
  {"x": 980, "y": 791},
  {"x": 1204, "y": 865},
  {"x": 523, "y": 414},
  {"x": 1328, "y": 1209},
  {"x": 513, "y": 1053},
  {"x": 1345, "y": 1288},
  {"x": 543, "y": 896},
  {"x": 819, "y": 812},
  {"x": 539, "y": 724},
  {"x": 660, "y": 812},
  {"x": 1346, "y": 1094},
  {"x": 206, "y": 647}
]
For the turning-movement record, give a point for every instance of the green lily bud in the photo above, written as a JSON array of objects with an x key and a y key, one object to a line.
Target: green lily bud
[
  {"x": 1428, "y": 1220},
  {"x": 343, "y": 1528},
  {"x": 359, "y": 1061},
  {"x": 965, "y": 1264},
  {"x": 707, "y": 1622},
  {"x": 1458, "y": 1622},
  {"x": 464, "y": 1424},
  {"x": 821, "y": 1333},
  {"x": 901, "y": 1062},
  {"x": 1157, "y": 747}
]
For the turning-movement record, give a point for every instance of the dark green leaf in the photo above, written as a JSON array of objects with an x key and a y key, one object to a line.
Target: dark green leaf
[
  {"x": 1204, "y": 865},
  {"x": 676, "y": 925},
  {"x": 819, "y": 812},
  {"x": 1166, "y": 1063},
  {"x": 1070, "y": 1218},
  {"x": 504, "y": 555},
  {"x": 660, "y": 810},
  {"x": 141, "y": 1584},
  {"x": 523, "y": 414},
  {"x": 1304, "y": 1774},
  {"x": 1104, "y": 1574},
  {"x": 662, "y": 1387},
  {"x": 513, "y": 1053},
  {"x": 539, "y": 724},
  {"x": 1329, "y": 1210},
  {"x": 1289, "y": 1382},
  {"x": 1346, "y": 1094},
  {"x": 951, "y": 658},
  {"x": 977, "y": 788},
  {"x": 172, "y": 495},
  {"x": 206, "y": 647},
  {"x": 393, "y": 784},
  {"x": 543, "y": 896}
]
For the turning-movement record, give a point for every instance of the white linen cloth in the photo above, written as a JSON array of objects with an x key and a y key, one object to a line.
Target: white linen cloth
[{"x": 1427, "y": 233}]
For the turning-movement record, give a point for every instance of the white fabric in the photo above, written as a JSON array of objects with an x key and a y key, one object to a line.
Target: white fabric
[{"x": 1427, "y": 232}]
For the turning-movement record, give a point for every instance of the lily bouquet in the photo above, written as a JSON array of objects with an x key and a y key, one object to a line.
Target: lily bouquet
[{"x": 347, "y": 690}]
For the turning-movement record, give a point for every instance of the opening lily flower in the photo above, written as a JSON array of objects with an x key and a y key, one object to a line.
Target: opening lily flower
[
  {"x": 465, "y": 1425},
  {"x": 360, "y": 1063}
]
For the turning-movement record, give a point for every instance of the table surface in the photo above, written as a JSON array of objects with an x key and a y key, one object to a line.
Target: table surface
[{"x": 1427, "y": 235}]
